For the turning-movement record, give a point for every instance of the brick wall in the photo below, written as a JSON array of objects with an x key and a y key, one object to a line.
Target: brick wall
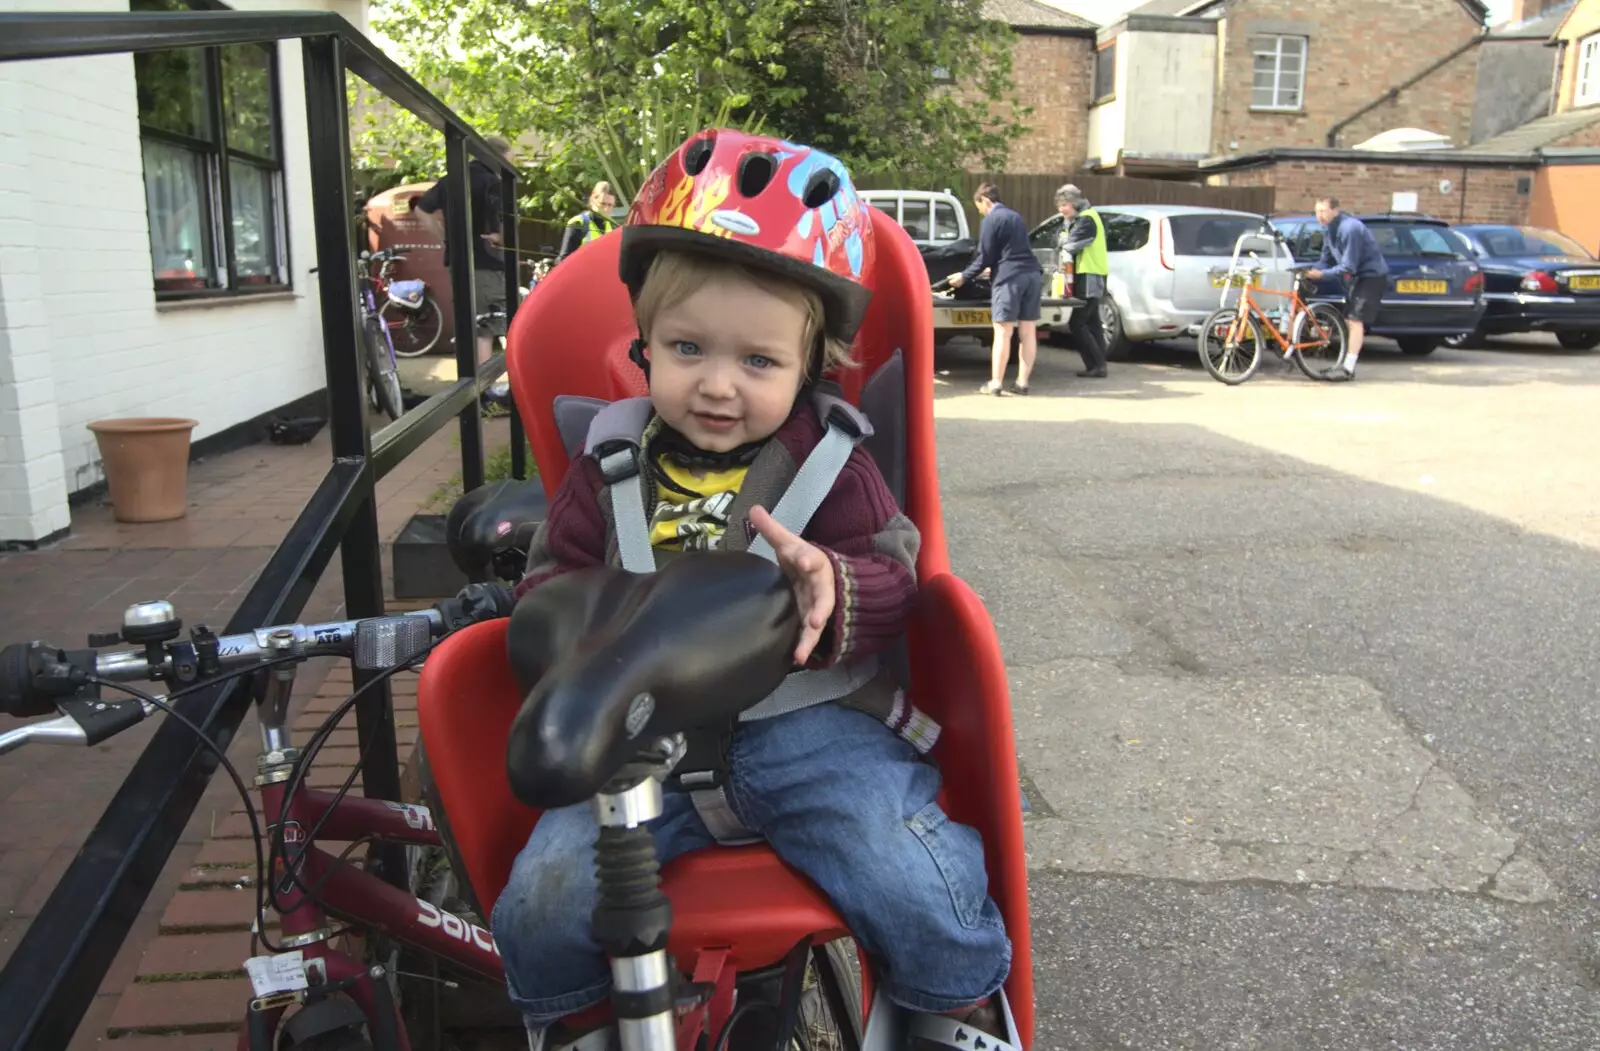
[
  {"x": 81, "y": 320},
  {"x": 1356, "y": 50},
  {"x": 1053, "y": 75},
  {"x": 1476, "y": 194}
]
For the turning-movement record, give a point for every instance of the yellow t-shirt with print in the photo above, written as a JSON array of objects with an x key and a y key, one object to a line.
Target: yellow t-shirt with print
[{"x": 691, "y": 505}]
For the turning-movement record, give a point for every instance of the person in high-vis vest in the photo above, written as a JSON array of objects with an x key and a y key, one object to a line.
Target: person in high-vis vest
[
  {"x": 590, "y": 224},
  {"x": 1084, "y": 239}
]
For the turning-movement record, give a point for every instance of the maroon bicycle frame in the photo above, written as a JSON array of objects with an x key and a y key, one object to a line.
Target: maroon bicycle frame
[{"x": 349, "y": 894}]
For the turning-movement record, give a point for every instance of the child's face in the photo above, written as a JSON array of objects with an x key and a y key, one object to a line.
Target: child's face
[{"x": 726, "y": 363}]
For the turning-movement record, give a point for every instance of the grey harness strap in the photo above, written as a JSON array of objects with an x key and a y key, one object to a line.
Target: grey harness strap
[{"x": 614, "y": 440}]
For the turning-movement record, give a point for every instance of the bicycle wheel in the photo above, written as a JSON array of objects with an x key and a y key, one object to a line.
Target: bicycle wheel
[
  {"x": 827, "y": 1016},
  {"x": 1323, "y": 328},
  {"x": 414, "y": 332},
  {"x": 1230, "y": 362},
  {"x": 381, "y": 372},
  {"x": 830, "y": 1009}
]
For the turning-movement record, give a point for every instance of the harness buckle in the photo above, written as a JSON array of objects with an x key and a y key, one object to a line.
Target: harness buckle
[
  {"x": 617, "y": 461},
  {"x": 706, "y": 760},
  {"x": 838, "y": 417}
]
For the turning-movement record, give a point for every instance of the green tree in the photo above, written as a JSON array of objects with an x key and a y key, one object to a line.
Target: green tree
[{"x": 595, "y": 83}]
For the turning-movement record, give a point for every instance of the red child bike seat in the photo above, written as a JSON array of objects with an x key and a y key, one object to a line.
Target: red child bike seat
[{"x": 570, "y": 340}]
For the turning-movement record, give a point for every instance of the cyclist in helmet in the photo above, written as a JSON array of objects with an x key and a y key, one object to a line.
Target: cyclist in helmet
[
  {"x": 750, "y": 262},
  {"x": 591, "y": 224}
]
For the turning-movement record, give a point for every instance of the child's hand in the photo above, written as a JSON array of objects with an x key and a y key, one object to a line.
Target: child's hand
[{"x": 811, "y": 574}]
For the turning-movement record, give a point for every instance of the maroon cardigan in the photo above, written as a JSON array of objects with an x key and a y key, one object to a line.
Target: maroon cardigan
[{"x": 871, "y": 543}]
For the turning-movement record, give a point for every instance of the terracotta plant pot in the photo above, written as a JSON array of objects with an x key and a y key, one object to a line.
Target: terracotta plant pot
[{"x": 146, "y": 462}]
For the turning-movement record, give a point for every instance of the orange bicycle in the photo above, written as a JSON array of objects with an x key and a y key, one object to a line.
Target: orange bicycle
[{"x": 1230, "y": 340}]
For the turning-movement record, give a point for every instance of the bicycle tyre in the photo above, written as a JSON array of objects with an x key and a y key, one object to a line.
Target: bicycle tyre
[
  {"x": 426, "y": 319},
  {"x": 1213, "y": 331},
  {"x": 828, "y": 1014},
  {"x": 381, "y": 372},
  {"x": 1330, "y": 351}
]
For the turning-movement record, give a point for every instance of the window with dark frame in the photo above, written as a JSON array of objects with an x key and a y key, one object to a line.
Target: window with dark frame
[
  {"x": 1105, "y": 72},
  {"x": 209, "y": 130}
]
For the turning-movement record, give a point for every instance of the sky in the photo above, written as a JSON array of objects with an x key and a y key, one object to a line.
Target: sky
[{"x": 1104, "y": 11}]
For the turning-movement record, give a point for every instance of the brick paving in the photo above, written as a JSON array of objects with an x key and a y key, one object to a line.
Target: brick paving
[{"x": 176, "y": 983}]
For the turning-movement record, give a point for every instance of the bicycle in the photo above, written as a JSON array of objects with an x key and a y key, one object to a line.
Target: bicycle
[
  {"x": 383, "y": 375},
  {"x": 409, "y": 308},
  {"x": 309, "y": 885},
  {"x": 813, "y": 995},
  {"x": 1230, "y": 340}
]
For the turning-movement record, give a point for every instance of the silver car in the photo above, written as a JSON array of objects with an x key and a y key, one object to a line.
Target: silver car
[{"x": 1161, "y": 257}]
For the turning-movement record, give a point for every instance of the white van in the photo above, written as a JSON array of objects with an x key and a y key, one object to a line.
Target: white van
[{"x": 931, "y": 217}]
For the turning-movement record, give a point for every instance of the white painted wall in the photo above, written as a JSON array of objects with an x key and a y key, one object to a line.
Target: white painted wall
[
  {"x": 81, "y": 335},
  {"x": 1108, "y": 121},
  {"x": 1169, "y": 109},
  {"x": 1164, "y": 88}
]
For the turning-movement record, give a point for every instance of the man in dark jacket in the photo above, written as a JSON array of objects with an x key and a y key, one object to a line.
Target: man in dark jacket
[
  {"x": 1348, "y": 247},
  {"x": 1017, "y": 285},
  {"x": 488, "y": 259}
]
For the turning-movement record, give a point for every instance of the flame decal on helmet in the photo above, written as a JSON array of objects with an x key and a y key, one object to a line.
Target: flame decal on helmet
[{"x": 692, "y": 208}]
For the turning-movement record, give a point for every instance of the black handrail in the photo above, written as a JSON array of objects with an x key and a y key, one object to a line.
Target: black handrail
[{"x": 56, "y": 970}]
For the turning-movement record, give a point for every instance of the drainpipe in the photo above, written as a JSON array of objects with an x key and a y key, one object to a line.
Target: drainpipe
[
  {"x": 1555, "y": 77},
  {"x": 1394, "y": 92}
]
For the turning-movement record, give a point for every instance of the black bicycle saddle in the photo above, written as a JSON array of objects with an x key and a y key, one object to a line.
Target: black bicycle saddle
[
  {"x": 612, "y": 660},
  {"x": 493, "y": 519}
]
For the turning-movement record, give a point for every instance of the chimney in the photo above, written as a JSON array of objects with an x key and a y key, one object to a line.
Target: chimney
[{"x": 1522, "y": 10}]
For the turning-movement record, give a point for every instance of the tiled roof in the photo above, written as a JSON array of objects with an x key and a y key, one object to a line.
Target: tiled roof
[
  {"x": 1539, "y": 27},
  {"x": 1165, "y": 7},
  {"x": 1536, "y": 133},
  {"x": 1030, "y": 14},
  {"x": 1177, "y": 7}
]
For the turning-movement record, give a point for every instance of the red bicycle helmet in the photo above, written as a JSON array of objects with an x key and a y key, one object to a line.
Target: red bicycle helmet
[{"x": 765, "y": 203}]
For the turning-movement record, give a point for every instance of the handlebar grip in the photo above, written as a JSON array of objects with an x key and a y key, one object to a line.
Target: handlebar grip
[{"x": 34, "y": 676}]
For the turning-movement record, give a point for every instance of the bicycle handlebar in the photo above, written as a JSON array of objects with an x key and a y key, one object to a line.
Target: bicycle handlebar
[{"x": 37, "y": 678}]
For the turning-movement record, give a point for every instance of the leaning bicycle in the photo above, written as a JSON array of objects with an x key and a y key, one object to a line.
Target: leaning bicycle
[
  {"x": 409, "y": 310},
  {"x": 383, "y": 369},
  {"x": 1232, "y": 339}
]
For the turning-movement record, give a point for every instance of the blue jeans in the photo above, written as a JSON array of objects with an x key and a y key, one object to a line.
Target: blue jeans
[{"x": 842, "y": 799}]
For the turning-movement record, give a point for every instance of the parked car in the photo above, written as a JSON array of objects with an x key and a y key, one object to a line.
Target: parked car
[
  {"x": 1535, "y": 280},
  {"x": 1435, "y": 283},
  {"x": 933, "y": 218},
  {"x": 1160, "y": 259},
  {"x": 937, "y": 222}
]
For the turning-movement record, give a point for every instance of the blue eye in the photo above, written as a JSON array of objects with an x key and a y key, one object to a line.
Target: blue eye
[
  {"x": 760, "y": 361},
  {"x": 686, "y": 348}
]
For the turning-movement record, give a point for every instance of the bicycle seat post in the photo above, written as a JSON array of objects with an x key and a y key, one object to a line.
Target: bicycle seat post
[
  {"x": 633, "y": 917},
  {"x": 272, "y": 711}
]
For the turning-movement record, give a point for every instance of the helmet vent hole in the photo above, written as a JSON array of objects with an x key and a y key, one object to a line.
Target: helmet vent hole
[
  {"x": 820, "y": 188},
  {"x": 698, "y": 155},
  {"x": 755, "y": 172}
]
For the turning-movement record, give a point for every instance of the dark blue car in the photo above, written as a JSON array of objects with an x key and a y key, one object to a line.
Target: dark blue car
[
  {"x": 1535, "y": 280},
  {"x": 1435, "y": 283}
]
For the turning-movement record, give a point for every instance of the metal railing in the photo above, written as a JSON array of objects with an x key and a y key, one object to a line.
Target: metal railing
[{"x": 53, "y": 976}]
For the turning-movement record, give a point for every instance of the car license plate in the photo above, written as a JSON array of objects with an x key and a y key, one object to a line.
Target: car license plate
[
  {"x": 970, "y": 317},
  {"x": 1436, "y": 288},
  {"x": 1586, "y": 283}
]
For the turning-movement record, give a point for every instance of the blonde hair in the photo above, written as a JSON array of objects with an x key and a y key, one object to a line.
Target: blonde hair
[
  {"x": 601, "y": 188},
  {"x": 674, "y": 276}
]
